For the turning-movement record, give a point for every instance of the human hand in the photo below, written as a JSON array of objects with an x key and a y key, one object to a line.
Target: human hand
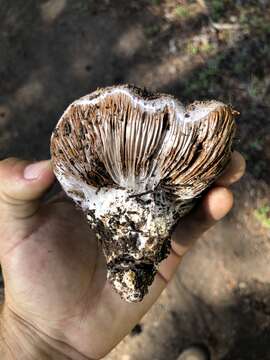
[{"x": 58, "y": 304}]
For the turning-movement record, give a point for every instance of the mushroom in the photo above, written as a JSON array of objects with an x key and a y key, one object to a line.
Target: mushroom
[{"x": 135, "y": 162}]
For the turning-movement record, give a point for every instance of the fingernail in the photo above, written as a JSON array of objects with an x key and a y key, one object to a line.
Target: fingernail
[{"x": 34, "y": 171}]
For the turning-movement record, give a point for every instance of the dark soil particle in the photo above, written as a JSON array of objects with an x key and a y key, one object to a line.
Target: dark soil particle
[{"x": 137, "y": 330}]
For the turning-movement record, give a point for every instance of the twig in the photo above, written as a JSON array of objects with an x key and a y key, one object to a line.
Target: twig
[
  {"x": 216, "y": 26},
  {"x": 225, "y": 26}
]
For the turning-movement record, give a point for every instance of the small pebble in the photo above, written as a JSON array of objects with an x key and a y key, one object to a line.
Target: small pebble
[
  {"x": 193, "y": 353},
  {"x": 136, "y": 330},
  {"x": 242, "y": 285}
]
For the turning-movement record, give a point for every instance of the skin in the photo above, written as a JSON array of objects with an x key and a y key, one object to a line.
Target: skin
[{"x": 58, "y": 304}]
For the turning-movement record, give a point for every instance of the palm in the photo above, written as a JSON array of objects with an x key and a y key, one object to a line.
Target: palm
[
  {"x": 55, "y": 274},
  {"x": 58, "y": 282}
]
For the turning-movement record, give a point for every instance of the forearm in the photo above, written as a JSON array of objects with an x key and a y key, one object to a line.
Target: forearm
[{"x": 18, "y": 341}]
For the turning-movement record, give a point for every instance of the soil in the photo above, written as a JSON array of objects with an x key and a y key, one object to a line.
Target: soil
[{"x": 53, "y": 52}]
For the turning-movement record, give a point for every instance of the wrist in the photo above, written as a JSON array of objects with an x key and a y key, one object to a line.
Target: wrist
[{"x": 21, "y": 341}]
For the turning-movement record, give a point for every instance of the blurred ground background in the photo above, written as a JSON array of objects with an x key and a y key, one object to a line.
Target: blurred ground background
[{"x": 52, "y": 52}]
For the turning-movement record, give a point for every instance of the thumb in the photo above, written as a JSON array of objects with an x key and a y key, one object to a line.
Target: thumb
[{"x": 21, "y": 187}]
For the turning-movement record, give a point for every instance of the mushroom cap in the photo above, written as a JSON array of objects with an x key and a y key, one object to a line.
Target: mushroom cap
[{"x": 135, "y": 162}]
